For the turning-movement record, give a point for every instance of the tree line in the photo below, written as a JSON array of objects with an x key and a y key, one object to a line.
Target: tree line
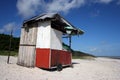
[{"x": 5, "y": 42}]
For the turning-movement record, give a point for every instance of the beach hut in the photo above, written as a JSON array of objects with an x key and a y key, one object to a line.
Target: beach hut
[{"x": 41, "y": 42}]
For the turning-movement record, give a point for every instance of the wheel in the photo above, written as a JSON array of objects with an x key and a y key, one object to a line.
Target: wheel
[
  {"x": 71, "y": 66},
  {"x": 59, "y": 67}
]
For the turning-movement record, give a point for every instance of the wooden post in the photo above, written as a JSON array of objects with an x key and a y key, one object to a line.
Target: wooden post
[
  {"x": 70, "y": 41},
  {"x": 9, "y": 47},
  {"x": 70, "y": 48}
]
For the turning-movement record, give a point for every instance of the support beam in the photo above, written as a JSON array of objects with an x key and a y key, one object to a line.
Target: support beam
[{"x": 70, "y": 41}]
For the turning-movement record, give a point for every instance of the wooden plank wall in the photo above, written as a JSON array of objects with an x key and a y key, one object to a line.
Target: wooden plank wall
[
  {"x": 28, "y": 36},
  {"x": 26, "y": 56}
]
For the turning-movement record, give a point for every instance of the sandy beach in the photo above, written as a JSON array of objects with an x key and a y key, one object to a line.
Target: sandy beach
[{"x": 97, "y": 69}]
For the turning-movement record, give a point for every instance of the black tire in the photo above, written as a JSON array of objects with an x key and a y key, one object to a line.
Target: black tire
[
  {"x": 71, "y": 66},
  {"x": 59, "y": 67}
]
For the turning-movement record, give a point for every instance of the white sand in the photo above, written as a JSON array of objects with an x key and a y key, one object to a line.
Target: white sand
[{"x": 98, "y": 69}]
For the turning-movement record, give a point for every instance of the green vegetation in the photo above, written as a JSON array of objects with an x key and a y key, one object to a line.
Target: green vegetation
[
  {"x": 5, "y": 41},
  {"x": 83, "y": 57},
  {"x": 78, "y": 54},
  {"x": 12, "y": 53}
]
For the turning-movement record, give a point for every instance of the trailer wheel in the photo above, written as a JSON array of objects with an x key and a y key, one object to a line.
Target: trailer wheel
[
  {"x": 59, "y": 67},
  {"x": 71, "y": 66}
]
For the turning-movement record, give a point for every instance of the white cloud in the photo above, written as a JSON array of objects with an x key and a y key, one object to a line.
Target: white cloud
[
  {"x": 64, "y": 5},
  {"x": 105, "y": 49},
  {"x": 95, "y": 13},
  {"x": 27, "y": 8},
  {"x": 118, "y": 3},
  {"x": 1, "y": 30},
  {"x": 103, "y": 1},
  {"x": 95, "y": 49},
  {"x": 8, "y": 27},
  {"x": 31, "y": 7}
]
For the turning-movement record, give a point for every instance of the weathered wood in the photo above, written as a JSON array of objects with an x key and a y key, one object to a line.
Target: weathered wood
[
  {"x": 26, "y": 56},
  {"x": 28, "y": 37}
]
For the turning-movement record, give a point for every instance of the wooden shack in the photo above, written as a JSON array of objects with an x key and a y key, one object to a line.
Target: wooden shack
[{"x": 41, "y": 41}]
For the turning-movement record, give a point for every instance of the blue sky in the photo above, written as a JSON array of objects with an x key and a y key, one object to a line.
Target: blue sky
[{"x": 100, "y": 20}]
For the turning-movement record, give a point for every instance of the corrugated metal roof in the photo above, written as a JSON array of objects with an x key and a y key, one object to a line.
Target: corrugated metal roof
[
  {"x": 42, "y": 17},
  {"x": 51, "y": 16}
]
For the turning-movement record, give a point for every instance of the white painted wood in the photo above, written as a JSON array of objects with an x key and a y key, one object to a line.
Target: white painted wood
[
  {"x": 48, "y": 37},
  {"x": 56, "y": 39},
  {"x": 43, "y": 34}
]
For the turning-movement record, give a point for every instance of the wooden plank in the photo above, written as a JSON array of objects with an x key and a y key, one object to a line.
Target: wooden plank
[
  {"x": 26, "y": 56},
  {"x": 28, "y": 35},
  {"x": 20, "y": 60}
]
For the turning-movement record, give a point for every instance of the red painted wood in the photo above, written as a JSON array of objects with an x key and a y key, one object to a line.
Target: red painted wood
[
  {"x": 42, "y": 58},
  {"x": 60, "y": 57},
  {"x": 45, "y": 59}
]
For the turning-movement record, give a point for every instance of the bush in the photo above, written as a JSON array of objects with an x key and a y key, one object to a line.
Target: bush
[{"x": 12, "y": 53}]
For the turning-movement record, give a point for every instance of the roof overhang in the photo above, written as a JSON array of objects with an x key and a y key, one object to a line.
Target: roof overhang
[{"x": 57, "y": 22}]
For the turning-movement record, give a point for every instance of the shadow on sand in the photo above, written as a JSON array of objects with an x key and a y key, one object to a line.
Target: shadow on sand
[{"x": 64, "y": 67}]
